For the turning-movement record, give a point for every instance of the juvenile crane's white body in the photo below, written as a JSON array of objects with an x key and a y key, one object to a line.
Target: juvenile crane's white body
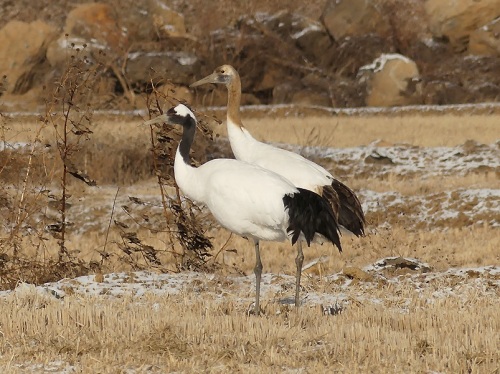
[
  {"x": 300, "y": 171},
  {"x": 249, "y": 200},
  {"x": 297, "y": 169}
]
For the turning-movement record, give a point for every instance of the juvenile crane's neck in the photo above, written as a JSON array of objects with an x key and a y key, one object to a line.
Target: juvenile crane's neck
[{"x": 234, "y": 102}]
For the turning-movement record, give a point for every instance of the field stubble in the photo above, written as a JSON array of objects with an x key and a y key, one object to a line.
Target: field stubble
[{"x": 399, "y": 326}]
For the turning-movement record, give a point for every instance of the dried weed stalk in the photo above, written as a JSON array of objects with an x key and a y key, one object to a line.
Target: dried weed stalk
[
  {"x": 27, "y": 173},
  {"x": 69, "y": 111},
  {"x": 187, "y": 223},
  {"x": 23, "y": 191}
]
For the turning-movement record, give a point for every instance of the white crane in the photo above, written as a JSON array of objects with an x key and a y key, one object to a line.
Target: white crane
[
  {"x": 251, "y": 201},
  {"x": 300, "y": 171}
]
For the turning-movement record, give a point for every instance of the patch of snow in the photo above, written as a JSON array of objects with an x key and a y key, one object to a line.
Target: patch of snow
[
  {"x": 182, "y": 58},
  {"x": 293, "y": 109},
  {"x": 431, "y": 285},
  {"x": 11, "y": 146},
  {"x": 471, "y": 202},
  {"x": 59, "y": 367},
  {"x": 430, "y": 42},
  {"x": 81, "y": 43},
  {"x": 162, "y": 5},
  {"x": 384, "y": 263},
  {"x": 379, "y": 63},
  {"x": 310, "y": 28},
  {"x": 264, "y": 17},
  {"x": 406, "y": 159}
]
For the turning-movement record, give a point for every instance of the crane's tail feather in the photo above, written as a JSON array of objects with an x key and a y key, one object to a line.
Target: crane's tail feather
[
  {"x": 346, "y": 206},
  {"x": 309, "y": 214}
]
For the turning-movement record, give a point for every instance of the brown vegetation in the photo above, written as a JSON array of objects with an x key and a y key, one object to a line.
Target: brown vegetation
[
  {"x": 196, "y": 331},
  {"x": 184, "y": 333}
]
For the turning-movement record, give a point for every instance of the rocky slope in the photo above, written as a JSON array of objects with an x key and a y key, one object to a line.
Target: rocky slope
[{"x": 331, "y": 52}]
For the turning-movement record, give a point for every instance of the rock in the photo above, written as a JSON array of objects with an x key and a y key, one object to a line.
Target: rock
[
  {"x": 177, "y": 67},
  {"x": 392, "y": 79},
  {"x": 96, "y": 21},
  {"x": 283, "y": 92},
  {"x": 438, "y": 92},
  {"x": 93, "y": 24},
  {"x": 211, "y": 97},
  {"x": 22, "y": 53},
  {"x": 249, "y": 99},
  {"x": 313, "y": 39},
  {"x": 457, "y": 19},
  {"x": 376, "y": 158},
  {"x": 309, "y": 35},
  {"x": 354, "y": 18},
  {"x": 33, "y": 100},
  {"x": 153, "y": 20},
  {"x": 218, "y": 97},
  {"x": 467, "y": 79},
  {"x": 272, "y": 76},
  {"x": 356, "y": 273},
  {"x": 3, "y": 84},
  {"x": 180, "y": 93},
  {"x": 486, "y": 39},
  {"x": 166, "y": 21},
  {"x": 408, "y": 22},
  {"x": 308, "y": 97},
  {"x": 283, "y": 33},
  {"x": 401, "y": 263}
]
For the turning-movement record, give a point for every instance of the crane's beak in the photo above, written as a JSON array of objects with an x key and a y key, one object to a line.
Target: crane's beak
[
  {"x": 212, "y": 78},
  {"x": 164, "y": 118}
]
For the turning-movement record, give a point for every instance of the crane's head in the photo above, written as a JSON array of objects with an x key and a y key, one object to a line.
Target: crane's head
[
  {"x": 224, "y": 74},
  {"x": 177, "y": 115}
]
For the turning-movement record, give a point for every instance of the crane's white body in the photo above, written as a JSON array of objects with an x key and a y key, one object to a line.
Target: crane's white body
[
  {"x": 298, "y": 170},
  {"x": 249, "y": 200},
  {"x": 244, "y": 198},
  {"x": 304, "y": 174}
]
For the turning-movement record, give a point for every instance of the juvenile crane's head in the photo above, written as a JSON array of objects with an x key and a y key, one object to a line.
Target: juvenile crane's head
[
  {"x": 224, "y": 74},
  {"x": 178, "y": 115}
]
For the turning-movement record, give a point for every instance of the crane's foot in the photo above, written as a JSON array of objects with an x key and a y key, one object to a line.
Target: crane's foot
[{"x": 252, "y": 311}]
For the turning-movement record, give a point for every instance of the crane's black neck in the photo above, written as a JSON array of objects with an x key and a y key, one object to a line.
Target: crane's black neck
[{"x": 188, "y": 131}]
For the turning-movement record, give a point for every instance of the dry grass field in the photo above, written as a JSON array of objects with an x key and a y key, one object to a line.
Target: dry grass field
[{"x": 430, "y": 186}]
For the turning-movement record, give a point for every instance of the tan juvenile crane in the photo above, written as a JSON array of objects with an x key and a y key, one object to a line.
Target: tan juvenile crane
[{"x": 302, "y": 172}]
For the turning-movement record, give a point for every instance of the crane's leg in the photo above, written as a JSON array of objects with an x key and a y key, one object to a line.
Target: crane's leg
[
  {"x": 299, "y": 260},
  {"x": 258, "y": 273}
]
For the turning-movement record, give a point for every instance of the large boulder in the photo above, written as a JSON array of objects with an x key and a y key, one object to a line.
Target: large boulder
[
  {"x": 167, "y": 22},
  {"x": 153, "y": 20},
  {"x": 309, "y": 35},
  {"x": 313, "y": 39},
  {"x": 485, "y": 40},
  {"x": 22, "y": 52},
  {"x": 177, "y": 67},
  {"x": 457, "y": 19},
  {"x": 355, "y": 18},
  {"x": 272, "y": 76},
  {"x": 309, "y": 97},
  {"x": 392, "y": 80},
  {"x": 95, "y": 25}
]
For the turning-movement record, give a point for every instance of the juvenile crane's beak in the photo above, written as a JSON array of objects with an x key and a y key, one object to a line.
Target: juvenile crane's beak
[
  {"x": 164, "y": 118},
  {"x": 212, "y": 78}
]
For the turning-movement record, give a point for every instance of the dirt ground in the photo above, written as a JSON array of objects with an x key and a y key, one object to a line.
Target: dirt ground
[{"x": 428, "y": 183}]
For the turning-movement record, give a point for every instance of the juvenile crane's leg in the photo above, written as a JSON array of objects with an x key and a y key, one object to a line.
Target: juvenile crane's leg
[
  {"x": 258, "y": 273},
  {"x": 299, "y": 260}
]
